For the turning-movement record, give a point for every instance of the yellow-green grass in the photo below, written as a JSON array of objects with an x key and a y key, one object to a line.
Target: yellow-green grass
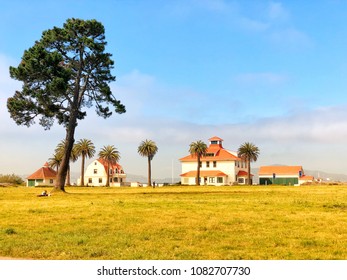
[{"x": 171, "y": 223}]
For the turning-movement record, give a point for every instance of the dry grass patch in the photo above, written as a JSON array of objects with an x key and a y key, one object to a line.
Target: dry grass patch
[{"x": 175, "y": 223}]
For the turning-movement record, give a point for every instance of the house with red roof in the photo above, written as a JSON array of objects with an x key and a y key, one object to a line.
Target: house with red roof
[
  {"x": 96, "y": 174},
  {"x": 45, "y": 176},
  {"x": 218, "y": 167},
  {"x": 283, "y": 175}
]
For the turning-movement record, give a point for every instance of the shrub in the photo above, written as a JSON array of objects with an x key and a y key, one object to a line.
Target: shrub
[
  {"x": 10, "y": 231},
  {"x": 11, "y": 179}
]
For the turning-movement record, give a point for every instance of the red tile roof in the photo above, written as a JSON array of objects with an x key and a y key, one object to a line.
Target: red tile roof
[
  {"x": 215, "y": 138},
  {"x": 204, "y": 173},
  {"x": 45, "y": 172},
  {"x": 113, "y": 165},
  {"x": 242, "y": 173},
  {"x": 280, "y": 170},
  {"x": 219, "y": 153},
  {"x": 307, "y": 178}
]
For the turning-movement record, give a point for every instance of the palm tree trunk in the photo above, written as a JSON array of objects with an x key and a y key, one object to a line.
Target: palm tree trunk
[
  {"x": 108, "y": 175},
  {"x": 249, "y": 172},
  {"x": 82, "y": 171},
  {"x": 68, "y": 176},
  {"x": 197, "y": 179},
  {"x": 149, "y": 172}
]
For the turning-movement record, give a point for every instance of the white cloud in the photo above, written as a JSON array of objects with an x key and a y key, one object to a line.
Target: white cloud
[
  {"x": 290, "y": 38},
  {"x": 262, "y": 78},
  {"x": 276, "y": 12},
  {"x": 253, "y": 24}
]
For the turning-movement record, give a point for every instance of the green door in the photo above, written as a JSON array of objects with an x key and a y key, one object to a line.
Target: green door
[{"x": 31, "y": 183}]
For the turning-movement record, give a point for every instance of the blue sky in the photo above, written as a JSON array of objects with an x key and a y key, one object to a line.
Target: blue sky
[{"x": 268, "y": 72}]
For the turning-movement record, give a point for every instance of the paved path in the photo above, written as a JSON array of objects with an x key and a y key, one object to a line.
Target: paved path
[{"x": 9, "y": 258}]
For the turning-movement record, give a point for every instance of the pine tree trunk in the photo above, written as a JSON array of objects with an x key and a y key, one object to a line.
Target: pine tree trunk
[{"x": 69, "y": 142}]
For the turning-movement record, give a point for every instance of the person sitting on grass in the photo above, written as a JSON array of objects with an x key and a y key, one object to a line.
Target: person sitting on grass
[{"x": 44, "y": 193}]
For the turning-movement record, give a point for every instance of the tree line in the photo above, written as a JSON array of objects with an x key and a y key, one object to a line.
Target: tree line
[{"x": 85, "y": 148}]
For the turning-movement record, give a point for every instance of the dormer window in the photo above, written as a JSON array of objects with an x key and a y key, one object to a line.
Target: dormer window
[{"x": 210, "y": 154}]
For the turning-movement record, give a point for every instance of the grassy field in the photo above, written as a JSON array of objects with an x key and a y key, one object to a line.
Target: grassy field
[{"x": 171, "y": 223}]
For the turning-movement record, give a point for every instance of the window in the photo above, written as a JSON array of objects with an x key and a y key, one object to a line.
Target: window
[
  {"x": 214, "y": 142},
  {"x": 115, "y": 180},
  {"x": 111, "y": 171},
  {"x": 200, "y": 164},
  {"x": 207, "y": 164},
  {"x": 95, "y": 171},
  {"x": 90, "y": 180},
  {"x": 116, "y": 170},
  {"x": 51, "y": 181},
  {"x": 210, "y": 154},
  {"x": 241, "y": 180},
  {"x": 214, "y": 164},
  {"x": 111, "y": 180},
  {"x": 220, "y": 180},
  {"x": 95, "y": 163},
  {"x": 100, "y": 180},
  {"x": 211, "y": 179}
]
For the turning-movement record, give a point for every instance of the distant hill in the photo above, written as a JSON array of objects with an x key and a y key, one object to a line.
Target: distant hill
[
  {"x": 327, "y": 176},
  {"x": 143, "y": 179}
]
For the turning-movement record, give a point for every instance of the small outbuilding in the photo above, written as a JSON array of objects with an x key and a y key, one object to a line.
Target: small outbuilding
[
  {"x": 45, "y": 176},
  {"x": 283, "y": 175}
]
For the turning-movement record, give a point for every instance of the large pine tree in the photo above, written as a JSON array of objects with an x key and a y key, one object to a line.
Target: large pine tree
[{"x": 64, "y": 72}]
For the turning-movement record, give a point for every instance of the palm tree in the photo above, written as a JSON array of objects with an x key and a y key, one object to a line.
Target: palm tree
[
  {"x": 55, "y": 161},
  {"x": 84, "y": 148},
  {"x": 248, "y": 152},
  {"x": 59, "y": 150},
  {"x": 110, "y": 155},
  {"x": 148, "y": 149},
  {"x": 198, "y": 149}
]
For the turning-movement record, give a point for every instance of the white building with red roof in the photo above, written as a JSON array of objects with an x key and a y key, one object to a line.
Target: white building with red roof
[
  {"x": 283, "y": 175},
  {"x": 96, "y": 174},
  {"x": 218, "y": 167},
  {"x": 45, "y": 176}
]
